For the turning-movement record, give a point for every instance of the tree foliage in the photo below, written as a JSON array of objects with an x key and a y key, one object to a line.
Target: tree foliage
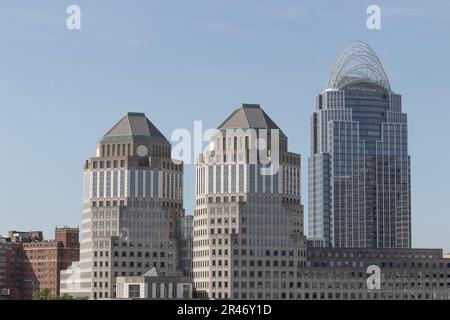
[{"x": 45, "y": 294}]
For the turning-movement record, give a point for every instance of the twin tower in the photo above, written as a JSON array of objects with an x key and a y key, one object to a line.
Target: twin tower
[{"x": 248, "y": 240}]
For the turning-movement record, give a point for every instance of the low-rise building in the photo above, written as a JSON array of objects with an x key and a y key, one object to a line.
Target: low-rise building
[
  {"x": 153, "y": 287},
  {"x": 28, "y": 263},
  {"x": 374, "y": 274},
  {"x": 10, "y": 266}
]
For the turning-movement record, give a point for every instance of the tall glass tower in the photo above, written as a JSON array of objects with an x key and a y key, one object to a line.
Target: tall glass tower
[{"x": 359, "y": 169}]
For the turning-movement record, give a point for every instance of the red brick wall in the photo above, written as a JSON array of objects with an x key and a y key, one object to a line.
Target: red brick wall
[{"x": 33, "y": 266}]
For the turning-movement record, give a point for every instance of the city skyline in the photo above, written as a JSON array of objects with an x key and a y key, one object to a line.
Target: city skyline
[
  {"x": 40, "y": 111},
  {"x": 246, "y": 240}
]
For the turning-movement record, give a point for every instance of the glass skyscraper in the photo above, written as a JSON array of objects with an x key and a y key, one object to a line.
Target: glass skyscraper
[{"x": 359, "y": 169}]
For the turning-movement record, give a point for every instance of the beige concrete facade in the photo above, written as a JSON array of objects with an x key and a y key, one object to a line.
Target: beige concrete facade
[
  {"x": 154, "y": 288},
  {"x": 133, "y": 199},
  {"x": 248, "y": 226}
]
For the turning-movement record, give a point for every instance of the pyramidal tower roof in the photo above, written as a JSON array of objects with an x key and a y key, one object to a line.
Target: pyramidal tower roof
[
  {"x": 249, "y": 116},
  {"x": 134, "y": 126}
]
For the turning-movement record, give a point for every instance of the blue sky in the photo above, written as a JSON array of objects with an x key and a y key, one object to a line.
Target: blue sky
[{"x": 181, "y": 61}]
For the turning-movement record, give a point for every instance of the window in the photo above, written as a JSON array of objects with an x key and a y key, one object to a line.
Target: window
[
  {"x": 218, "y": 179},
  {"x": 233, "y": 179},
  {"x": 134, "y": 291}
]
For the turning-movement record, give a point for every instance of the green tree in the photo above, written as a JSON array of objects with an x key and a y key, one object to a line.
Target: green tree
[
  {"x": 42, "y": 295},
  {"x": 45, "y": 295}
]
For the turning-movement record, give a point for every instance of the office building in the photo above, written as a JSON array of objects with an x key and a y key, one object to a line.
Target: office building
[
  {"x": 133, "y": 200},
  {"x": 359, "y": 169},
  {"x": 248, "y": 221},
  {"x": 151, "y": 286},
  {"x": 30, "y": 263},
  {"x": 353, "y": 273},
  {"x": 186, "y": 238}
]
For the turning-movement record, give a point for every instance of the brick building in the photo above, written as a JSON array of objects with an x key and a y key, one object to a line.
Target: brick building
[
  {"x": 10, "y": 267},
  {"x": 28, "y": 263}
]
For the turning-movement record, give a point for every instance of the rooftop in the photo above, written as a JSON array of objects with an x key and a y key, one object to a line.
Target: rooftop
[
  {"x": 357, "y": 63},
  {"x": 249, "y": 116},
  {"x": 133, "y": 126}
]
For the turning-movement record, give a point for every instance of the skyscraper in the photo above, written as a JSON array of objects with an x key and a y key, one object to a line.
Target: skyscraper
[
  {"x": 133, "y": 199},
  {"x": 359, "y": 169},
  {"x": 248, "y": 221}
]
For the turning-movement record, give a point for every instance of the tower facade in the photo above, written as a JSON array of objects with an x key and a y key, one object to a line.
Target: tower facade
[
  {"x": 359, "y": 169},
  {"x": 248, "y": 221},
  {"x": 132, "y": 204}
]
